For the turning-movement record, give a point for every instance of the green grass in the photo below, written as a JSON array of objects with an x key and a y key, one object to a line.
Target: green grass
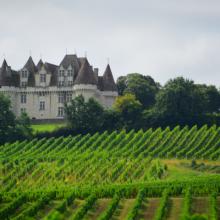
[{"x": 46, "y": 127}]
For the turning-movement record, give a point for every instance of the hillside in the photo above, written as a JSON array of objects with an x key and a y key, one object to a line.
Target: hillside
[{"x": 153, "y": 174}]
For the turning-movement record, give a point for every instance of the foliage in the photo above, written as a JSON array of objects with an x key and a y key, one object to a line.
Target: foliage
[
  {"x": 134, "y": 211},
  {"x": 11, "y": 128},
  {"x": 7, "y": 119},
  {"x": 179, "y": 98},
  {"x": 186, "y": 205},
  {"x": 213, "y": 206},
  {"x": 107, "y": 214},
  {"x": 143, "y": 87},
  {"x": 85, "y": 116},
  {"x": 86, "y": 206},
  {"x": 24, "y": 125},
  {"x": 129, "y": 108},
  {"x": 156, "y": 170},
  {"x": 162, "y": 209}
]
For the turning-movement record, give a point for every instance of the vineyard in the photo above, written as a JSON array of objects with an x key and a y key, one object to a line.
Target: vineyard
[{"x": 154, "y": 174}]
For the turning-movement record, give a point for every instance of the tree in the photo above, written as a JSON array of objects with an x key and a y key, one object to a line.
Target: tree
[
  {"x": 143, "y": 87},
  {"x": 23, "y": 125},
  {"x": 211, "y": 98},
  {"x": 180, "y": 98},
  {"x": 112, "y": 120},
  {"x": 84, "y": 116},
  {"x": 7, "y": 119},
  {"x": 130, "y": 110}
]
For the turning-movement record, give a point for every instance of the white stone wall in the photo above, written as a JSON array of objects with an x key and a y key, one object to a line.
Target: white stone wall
[{"x": 34, "y": 95}]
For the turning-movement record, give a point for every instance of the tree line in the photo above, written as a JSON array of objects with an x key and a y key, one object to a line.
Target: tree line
[{"x": 142, "y": 103}]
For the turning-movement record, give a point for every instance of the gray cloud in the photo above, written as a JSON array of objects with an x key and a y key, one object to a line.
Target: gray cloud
[{"x": 161, "y": 38}]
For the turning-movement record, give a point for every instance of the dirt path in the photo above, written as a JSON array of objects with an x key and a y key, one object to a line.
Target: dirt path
[
  {"x": 149, "y": 208},
  {"x": 123, "y": 209},
  {"x": 174, "y": 209},
  {"x": 200, "y": 205},
  {"x": 97, "y": 210}
]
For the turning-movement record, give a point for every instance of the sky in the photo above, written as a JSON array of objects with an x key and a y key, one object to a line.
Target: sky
[{"x": 160, "y": 38}]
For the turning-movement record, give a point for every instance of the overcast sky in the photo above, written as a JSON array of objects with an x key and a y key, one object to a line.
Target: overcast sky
[{"x": 161, "y": 38}]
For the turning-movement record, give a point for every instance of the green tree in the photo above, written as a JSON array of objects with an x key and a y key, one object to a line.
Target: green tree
[
  {"x": 7, "y": 119},
  {"x": 211, "y": 98},
  {"x": 180, "y": 98},
  {"x": 23, "y": 125},
  {"x": 130, "y": 110},
  {"x": 143, "y": 87},
  {"x": 85, "y": 116}
]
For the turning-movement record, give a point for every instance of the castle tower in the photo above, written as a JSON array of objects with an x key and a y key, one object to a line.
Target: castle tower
[{"x": 86, "y": 81}]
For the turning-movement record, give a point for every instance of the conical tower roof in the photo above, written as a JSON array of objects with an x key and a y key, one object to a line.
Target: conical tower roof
[
  {"x": 40, "y": 64},
  {"x": 30, "y": 66},
  {"x": 86, "y": 74},
  {"x": 108, "y": 80},
  {"x": 4, "y": 65},
  {"x": 6, "y": 74}
]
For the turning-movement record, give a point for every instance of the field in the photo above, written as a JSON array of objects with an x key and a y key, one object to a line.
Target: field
[
  {"x": 46, "y": 127},
  {"x": 154, "y": 174}
]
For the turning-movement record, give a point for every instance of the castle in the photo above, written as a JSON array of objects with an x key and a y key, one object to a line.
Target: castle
[{"x": 42, "y": 90}]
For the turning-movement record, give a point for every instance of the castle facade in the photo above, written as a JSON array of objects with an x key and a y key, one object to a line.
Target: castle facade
[{"x": 42, "y": 90}]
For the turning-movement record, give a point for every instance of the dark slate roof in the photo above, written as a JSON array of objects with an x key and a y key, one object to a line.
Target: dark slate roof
[
  {"x": 4, "y": 65},
  {"x": 108, "y": 80},
  {"x": 15, "y": 78},
  {"x": 86, "y": 75},
  {"x": 40, "y": 64},
  {"x": 53, "y": 70},
  {"x": 50, "y": 67},
  {"x": 32, "y": 69},
  {"x": 31, "y": 79},
  {"x": 8, "y": 77},
  {"x": 70, "y": 60},
  {"x": 30, "y": 66},
  {"x": 81, "y": 60},
  {"x": 100, "y": 83}
]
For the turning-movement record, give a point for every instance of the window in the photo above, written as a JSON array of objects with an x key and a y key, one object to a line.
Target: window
[
  {"x": 23, "y": 84},
  {"x": 70, "y": 83},
  {"x": 61, "y": 73},
  {"x": 24, "y": 74},
  {"x": 42, "y": 105},
  {"x": 61, "y": 83},
  {"x": 23, "y": 110},
  {"x": 69, "y": 73},
  {"x": 60, "y": 98},
  {"x": 68, "y": 97},
  {"x": 42, "y": 77},
  {"x": 23, "y": 98},
  {"x": 60, "y": 111}
]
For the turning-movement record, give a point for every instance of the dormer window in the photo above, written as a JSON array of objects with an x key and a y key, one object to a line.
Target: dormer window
[
  {"x": 24, "y": 74},
  {"x": 61, "y": 73},
  {"x": 42, "y": 78},
  {"x": 70, "y": 73}
]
